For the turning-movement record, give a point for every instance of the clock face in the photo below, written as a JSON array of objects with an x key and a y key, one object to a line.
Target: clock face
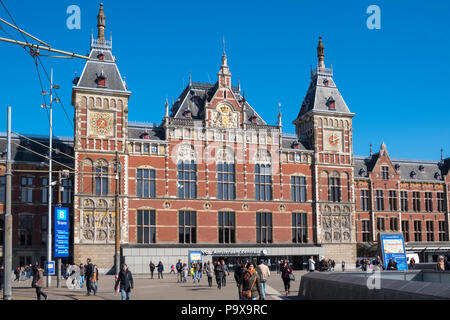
[
  {"x": 101, "y": 124},
  {"x": 333, "y": 141}
]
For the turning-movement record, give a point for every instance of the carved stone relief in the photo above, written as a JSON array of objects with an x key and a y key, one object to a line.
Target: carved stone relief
[{"x": 336, "y": 224}]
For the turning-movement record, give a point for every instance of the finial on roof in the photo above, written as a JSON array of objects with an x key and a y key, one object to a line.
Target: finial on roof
[
  {"x": 370, "y": 152},
  {"x": 279, "y": 114},
  {"x": 190, "y": 80},
  {"x": 442, "y": 154},
  {"x": 101, "y": 23},
  {"x": 167, "y": 107},
  {"x": 321, "y": 54},
  {"x": 239, "y": 84}
]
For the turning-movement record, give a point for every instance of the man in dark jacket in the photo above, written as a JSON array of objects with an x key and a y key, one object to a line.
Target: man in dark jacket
[
  {"x": 88, "y": 273},
  {"x": 179, "y": 267},
  {"x": 34, "y": 274},
  {"x": 219, "y": 272},
  {"x": 238, "y": 275},
  {"x": 160, "y": 270},
  {"x": 152, "y": 268},
  {"x": 125, "y": 279}
]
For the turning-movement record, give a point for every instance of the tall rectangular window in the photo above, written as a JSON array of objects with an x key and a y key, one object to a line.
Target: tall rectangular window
[
  {"x": 385, "y": 173},
  {"x": 364, "y": 200},
  {"x": 392, "y": 200},
  {"x": 404, "y": 200},
  {"x": 299, "y": 228},
  {"x": 416, "y": 201},
  {"x": 44, "y": 229},
  {"x": 227, "y": 227},
  {"x": 443, "y": 231},
  {"x": 440, "y": 202},
  {"x": 393, "y": 224},
  {"x": 381, "y": 224},
  {"x": 2, "y": 188},
  {"x": 405, "y": 230},
  {"x": 225, "y": 181},
  {"x": 25, "y": 230},
  {"x": 298, "y": 189},
  {"x": 67, "y": 191},
  {"x": 146, "y": 183},
  {"x": 334, "y": 189},
  {"x": 187, "y": 231},
  {"x": 365, "y": 230},
  {"x": 27, "y": 189},
  {"x": 379, "y": 197},
  {"x": 187, "y": 179},
  {"x": 428, "y": 202},
  {"x": 44, "y": 190},
  {"x": 430, "y": 230},
  {"x": 263, "y": 182},
  {"x": 417, "y": 230},
  {"x": 264, "y": 227},
  {"x": 146, "y": 226},
  {"x": 101, "y": 180}
]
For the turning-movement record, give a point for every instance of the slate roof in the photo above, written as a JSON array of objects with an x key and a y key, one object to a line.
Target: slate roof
[
  {"x": 288, "y": 142},
  {"x": 136, "y": 129},
  {"x": 424, "y": 170},
  {"x": 319, "y": 95},
  {"x": 20, "y": 154}
]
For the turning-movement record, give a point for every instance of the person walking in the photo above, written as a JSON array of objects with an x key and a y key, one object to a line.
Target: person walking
[
  {"x": 152, "y": 268},
  {"x": 179, "y": 267},
  {"x": 40, "y": 284},
  {"x": 250, "y": 287},
  {"x": 172, "y": 269},
  {"x": 185, "y": 272},
  {"x": 196, "y": 271},
  {"x": 2, "y": 274},
  {"x": 209, "y": 269},
  {"x": 94, "y": 279},
  {"x": 218, "y": 271},
  {"x": 286, "y": 272},
  {"x": 440, "y": 265},
  {"x": 88, "y": 270},
  {"x": 34, "y": 274},
  {"x": 311, "y": 264},
  {"x": 160, "y": 270},
  {"x": 343, "y": 265},
  {"x": 81, "y": 275},
  {"x": 125, "y": 281},
  {"x": 447, "y": 263},
  {"x": 238, "y": 276},
  {"x": 200, "y": 270},
  {"x": 412, "y": 262},
  {"x": 225, "y": 273},
  {"x": 264, "y": 274}
]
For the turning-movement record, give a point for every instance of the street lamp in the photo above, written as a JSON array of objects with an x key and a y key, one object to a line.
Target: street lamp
[{"x": 49, "y": 228}]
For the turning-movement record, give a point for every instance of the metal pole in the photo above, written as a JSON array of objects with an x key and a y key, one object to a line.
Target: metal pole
[
  {"x": 49, "y": 238},
  {"x": 117, "y": 247},
  {"x": 58, "y": 270},
  {"x": 7, "y": 248}
]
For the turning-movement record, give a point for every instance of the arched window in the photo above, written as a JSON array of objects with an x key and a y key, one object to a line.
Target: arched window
[
  {"x": 101, "y": 177},
  {"x": 334, "y": 187},
  {"x": 263, "y": 176},
  {"x": 225, "y": 174},
  {"x": 187, "y": 172}
]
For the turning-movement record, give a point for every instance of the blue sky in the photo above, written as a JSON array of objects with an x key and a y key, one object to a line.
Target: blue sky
[{"x": 394, "y": 79}]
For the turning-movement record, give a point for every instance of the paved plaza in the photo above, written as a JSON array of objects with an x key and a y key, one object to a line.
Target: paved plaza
[{"x": 158, "y": 289}]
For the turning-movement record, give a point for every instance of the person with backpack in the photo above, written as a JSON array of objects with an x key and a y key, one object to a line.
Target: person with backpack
[
  {"x": 179, "y": 267},
  {"x": 152, "y": 268},
  {"x": 125, "y": 282},
  {"x": 250, "y": 287}
]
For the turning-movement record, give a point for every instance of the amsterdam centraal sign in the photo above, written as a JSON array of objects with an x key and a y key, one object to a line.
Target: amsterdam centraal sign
[{"x": 234, "y": 252}]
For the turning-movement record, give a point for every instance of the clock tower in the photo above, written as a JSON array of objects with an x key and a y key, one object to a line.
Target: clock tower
[
  {"x": 100, "y": 99},
  {"x": 326, "y": 122}
]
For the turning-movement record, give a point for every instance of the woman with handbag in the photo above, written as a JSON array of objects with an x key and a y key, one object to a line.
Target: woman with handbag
[
  {"x": 287, "y": 275},
  {"x": 250, "y": 286}
]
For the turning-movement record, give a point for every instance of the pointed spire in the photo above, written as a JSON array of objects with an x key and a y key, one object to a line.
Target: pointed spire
[
  {"x": 383, "y": 150},
  {"x": 190, "y": 80},
  {"x": 101, "y": 24},
  {"x": 167, "y": 108},
  {"x": 321, "y": 54},
  {"x": 224, "y": 72},
  {"x": 370, "y": 151},
  {"x": 239, "y": 85},
  {"x": 279, "y": 114},
  {"x": 224, "y": 54},
  {"x": 442, "y": 154}
]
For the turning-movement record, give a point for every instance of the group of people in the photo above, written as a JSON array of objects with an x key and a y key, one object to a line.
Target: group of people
[
  {"x": 159, "y": 268},
  {"x": 323, "y": 265},
  {"x": 443, "y": 264}
]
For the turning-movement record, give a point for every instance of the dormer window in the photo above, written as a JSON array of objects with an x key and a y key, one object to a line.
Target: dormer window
[
  {"x": 326, "y": 82},
  {"x": 413, "y": 174},
  {"x": 101, "y": 57},
  {"x": 101, "y": 80},
  {"x": 362, "y": 172},
  {"x": 253, "y": 119},
  {"x": 144, "y": 136},
  {"x": 437, "y": 175},
  {"x": 331, "y": 103},
  {"x": 421, "y": 168},
  {"x": 296, "y": 145},
  {"x": 397, "y": 167},
  {"x": 187, "y": 114}
]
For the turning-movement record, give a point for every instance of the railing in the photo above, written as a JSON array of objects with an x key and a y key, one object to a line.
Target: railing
[
  {"x": 96, "y": 43},
  {"x": 324, "y": 71}
]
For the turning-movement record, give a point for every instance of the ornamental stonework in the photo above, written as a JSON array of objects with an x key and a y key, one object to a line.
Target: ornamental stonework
[{"x": 336, "y": 223}]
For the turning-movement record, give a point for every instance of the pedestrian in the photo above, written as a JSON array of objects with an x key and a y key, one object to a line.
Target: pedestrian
[
  {"x": 250, "y": 285},
  {"x": 40, "y": 284},
  {"x": 239, "y": 275},
  {"x": 35, "y": 273},
  {"x": 286, "y": 272},
  {"x": 94, "y": 279},
  {"x": 200, "y": 271},
  {"x": 179, "y": 267},
  {"x": 172, "y": 269},
  {"x": 196, "y": 267},
  {"x": 218, "y": 271},
  {"x": 412, "y": 262},
  {"x": 209, "y": 269},
  {"x": 225, "y": 273},
  {"x": 343, "y": 265},
  {"x": 391, "y": 265},
  {"x": 17, "y": 273},
  {"x": 333, "y": 264},
  {"x": 125, "y": 281},
  {"x": 63, "y": 270},
  {"x": 2, "y": 274},
  {"x": 311, "y": 264},
  {"x": 447, "y": 263},
  {"x": 160, "y": 270},
  {"x": 185, "y": 272},
  {"x": 440, "y": 265},
  {"x": 264, "y": 274},
  {"x": 66, "y": 273},
  {"x": 81, "y": 275},
  {"x": 152, "y": 268},
  {"x": 88, "y": 270}
]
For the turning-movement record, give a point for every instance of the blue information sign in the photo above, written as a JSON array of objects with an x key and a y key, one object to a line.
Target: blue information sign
[
  {"x": 61, "y": 232},
  {"x": 49, "y": 268},
  {"x": 195, "y": 256},
  {"x": 393, "y": 247}
]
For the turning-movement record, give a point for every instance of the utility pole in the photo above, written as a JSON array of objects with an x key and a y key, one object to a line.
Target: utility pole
[
  {"x": 7, "y": 248},
  {"x": 58, "y": 267},
  {"x": 117, "y": 171}
]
